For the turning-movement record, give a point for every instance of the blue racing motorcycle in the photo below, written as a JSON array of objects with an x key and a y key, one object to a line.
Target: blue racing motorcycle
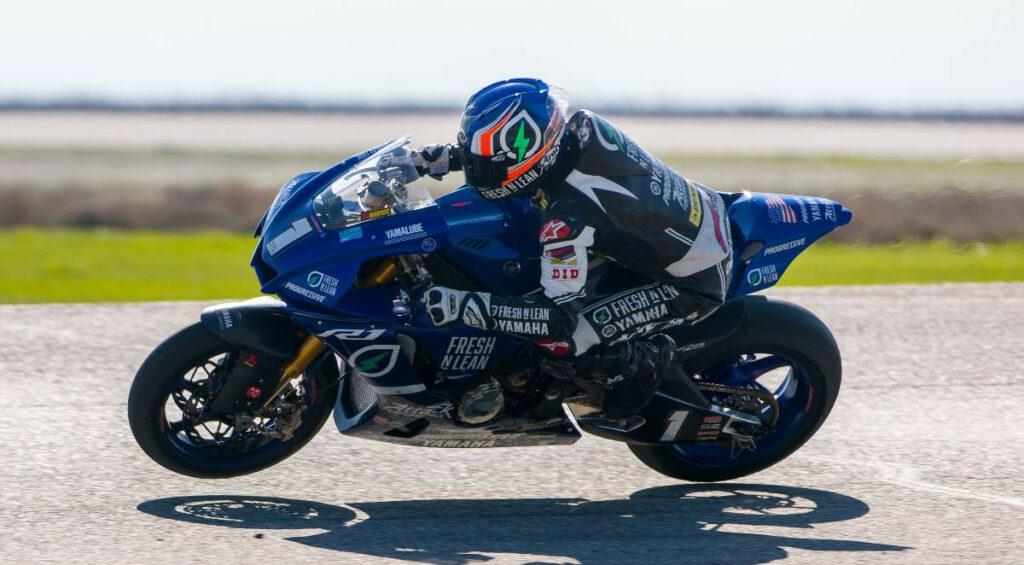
[{"x": 351, "y": 249}]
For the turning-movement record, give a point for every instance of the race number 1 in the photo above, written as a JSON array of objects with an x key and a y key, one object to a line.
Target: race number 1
[{"x": 675, "y": 423}]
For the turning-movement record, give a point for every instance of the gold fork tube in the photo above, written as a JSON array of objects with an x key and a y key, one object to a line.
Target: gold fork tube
[
  {"x": 308, "y": 351},
  {"x": 382, "y": 274}
]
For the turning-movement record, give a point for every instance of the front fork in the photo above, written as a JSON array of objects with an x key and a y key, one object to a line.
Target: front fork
[
  {"x": 308, "y": 352},
  {"x": 382, "y": 273}
]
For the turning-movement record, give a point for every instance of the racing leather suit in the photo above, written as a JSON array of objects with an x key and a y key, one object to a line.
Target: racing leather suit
[{"x": 605, "y": 197}]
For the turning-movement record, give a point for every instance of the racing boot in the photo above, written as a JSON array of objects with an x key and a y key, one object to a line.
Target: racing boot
[{"x": 630, "y": 378}]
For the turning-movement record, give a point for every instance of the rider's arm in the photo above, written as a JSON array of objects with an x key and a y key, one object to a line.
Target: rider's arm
[
  {"x": 548, "y": 318},
  {"x": 437, "y": 160}
]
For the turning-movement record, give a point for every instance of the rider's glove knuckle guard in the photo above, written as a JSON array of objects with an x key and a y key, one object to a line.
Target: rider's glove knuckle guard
[{"x": 447, "y": 306}]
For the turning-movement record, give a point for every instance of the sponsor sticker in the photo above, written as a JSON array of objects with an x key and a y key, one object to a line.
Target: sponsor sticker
[
  {"x": 350, "y": 234},
  {"x": 372, "y": 214},
  {"x": 461, "y": 443},
  {"x": 635, "y": 308},
  {"x": 763, "y": 275},
  {"x": 607, "y": 135},
  {"x": 323, "y": 283},
  {"x": 558, "y": 273},
  {"x": 442, "y": 410},
  {"x": 429, "y": 244},
  {"x": 404, "y": 233},
  {"x": 354, "y": 334},
  {"x": 561, "y": 255},
  {"x": 830, "y": 210},
  {"x": 554, "y": 230},
  {"x": 785, "y": 246},
  {"x": 467, "y": 354},
  {"x": 674, "y": 424},
  {"x": 374, "y": 360},
  {"x": 305, "y": 292},
  {"x": 521, "y": 320},
  {"x": 282, "y": 196},
  {"x": 511, "y": 188},
  {"x": 696, "y": 209},
  {"x": 779, "y": 211},
  {"x": 224, "y": 320},
  {"x": 558, "y": 348},
  {"x": 299, "y": 229}
]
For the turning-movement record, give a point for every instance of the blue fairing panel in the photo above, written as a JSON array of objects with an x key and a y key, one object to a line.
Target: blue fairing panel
[
  {"x": 495, "y": 242},
  {"x": 770, "y": 230}
]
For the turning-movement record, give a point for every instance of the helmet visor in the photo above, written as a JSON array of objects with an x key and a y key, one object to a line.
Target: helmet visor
[{"x": 483, "y": 172}]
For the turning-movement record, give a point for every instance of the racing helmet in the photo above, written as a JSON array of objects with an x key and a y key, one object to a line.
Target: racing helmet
[{"x": 510, "y": 134}]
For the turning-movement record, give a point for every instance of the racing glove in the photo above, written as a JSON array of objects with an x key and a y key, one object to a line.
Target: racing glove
[
  {"x": 447, "y": 306},
  {"x": 436, "y": 160}
]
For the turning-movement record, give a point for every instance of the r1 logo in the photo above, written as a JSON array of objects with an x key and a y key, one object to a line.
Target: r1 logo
[
  {"x": 354, "y": 334},
  {"x": 675, "y": 423}
]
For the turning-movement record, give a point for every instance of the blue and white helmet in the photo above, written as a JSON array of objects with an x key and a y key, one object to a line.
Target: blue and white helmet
[{"x": 510, "y": 134}]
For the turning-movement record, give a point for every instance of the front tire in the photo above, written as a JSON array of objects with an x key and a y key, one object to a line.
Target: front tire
[
  {"x": 173, "y": 381},
  {"x": 780, "y": 336}
]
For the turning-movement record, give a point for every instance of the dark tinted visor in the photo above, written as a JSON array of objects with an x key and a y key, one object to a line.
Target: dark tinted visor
[{"x": 482, "y": 172}]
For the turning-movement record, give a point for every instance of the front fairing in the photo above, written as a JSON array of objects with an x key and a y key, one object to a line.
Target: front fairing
[
  {"x": 310, "y": 259},
  {"x": 306, "y": 262}
]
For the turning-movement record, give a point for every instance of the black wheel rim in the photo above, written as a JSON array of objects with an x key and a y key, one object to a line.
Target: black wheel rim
[{"x": 186, "y": 426}]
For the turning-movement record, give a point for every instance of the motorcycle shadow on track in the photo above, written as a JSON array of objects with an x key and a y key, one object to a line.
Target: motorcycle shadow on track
[{"x": 679, "y": 523}]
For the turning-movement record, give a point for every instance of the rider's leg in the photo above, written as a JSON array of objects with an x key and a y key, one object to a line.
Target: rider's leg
[{"x": 618, "y": 343}]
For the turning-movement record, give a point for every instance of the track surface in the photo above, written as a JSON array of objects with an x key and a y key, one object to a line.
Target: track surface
[{"x": 920, "y": 462}]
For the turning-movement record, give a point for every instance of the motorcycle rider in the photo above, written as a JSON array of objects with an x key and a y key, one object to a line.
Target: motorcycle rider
[{"x": 600, "y": 196}]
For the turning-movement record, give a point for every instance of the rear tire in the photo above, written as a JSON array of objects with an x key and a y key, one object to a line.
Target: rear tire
[
  {"x": 160, "y": 378},
  {"x": 771, "y": 327}
]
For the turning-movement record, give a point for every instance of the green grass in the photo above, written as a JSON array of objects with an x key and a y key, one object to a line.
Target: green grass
[
  {"x": 109, "y": 266},
  {"x": 927, "y": 262}
]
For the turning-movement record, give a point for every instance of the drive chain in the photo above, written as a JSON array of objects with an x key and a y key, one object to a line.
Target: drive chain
[{"x": 763, "y": 395}]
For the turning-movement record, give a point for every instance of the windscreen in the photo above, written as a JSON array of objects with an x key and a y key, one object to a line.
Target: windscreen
[{"x": 383, "y": 184}]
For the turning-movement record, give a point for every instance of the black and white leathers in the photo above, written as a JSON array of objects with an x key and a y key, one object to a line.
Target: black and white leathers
[{"x": 607, "y": 197}]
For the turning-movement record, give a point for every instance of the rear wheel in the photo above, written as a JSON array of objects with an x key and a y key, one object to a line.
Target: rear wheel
[
  {"x": 782, "y": 349},
  {"x": 171, "y": 416}
]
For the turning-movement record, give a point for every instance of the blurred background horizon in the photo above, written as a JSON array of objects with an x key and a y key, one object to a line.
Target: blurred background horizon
[
  {"x": 788, "y": 56},
  {"x": 119, "y": 118}
]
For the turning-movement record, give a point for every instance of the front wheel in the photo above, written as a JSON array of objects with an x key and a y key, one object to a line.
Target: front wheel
[
  {"x": 782, "y": 349},
  {"x": 171, "y": 416}
]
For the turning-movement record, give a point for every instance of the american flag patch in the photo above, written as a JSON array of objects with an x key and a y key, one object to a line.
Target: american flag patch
[{"x": 779, "y": 211}]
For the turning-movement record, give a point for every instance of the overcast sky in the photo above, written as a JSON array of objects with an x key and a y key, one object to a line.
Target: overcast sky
[{"x": 884, "y": 54}]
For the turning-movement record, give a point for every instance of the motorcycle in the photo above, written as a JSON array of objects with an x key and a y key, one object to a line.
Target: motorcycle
[{"x": 350, "y": 250}]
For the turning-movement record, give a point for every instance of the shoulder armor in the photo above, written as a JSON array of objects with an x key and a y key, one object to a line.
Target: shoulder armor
[{"x": 603, "y": 150}]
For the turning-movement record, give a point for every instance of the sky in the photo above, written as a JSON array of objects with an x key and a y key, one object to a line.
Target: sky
[{"x": 903, "y": 55}]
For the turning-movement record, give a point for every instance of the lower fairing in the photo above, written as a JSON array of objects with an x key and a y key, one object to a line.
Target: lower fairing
[{"x": 361, "y": 413}]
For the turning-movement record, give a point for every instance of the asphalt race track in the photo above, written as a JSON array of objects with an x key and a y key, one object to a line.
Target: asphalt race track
[{"x": 920, "y": 462}]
